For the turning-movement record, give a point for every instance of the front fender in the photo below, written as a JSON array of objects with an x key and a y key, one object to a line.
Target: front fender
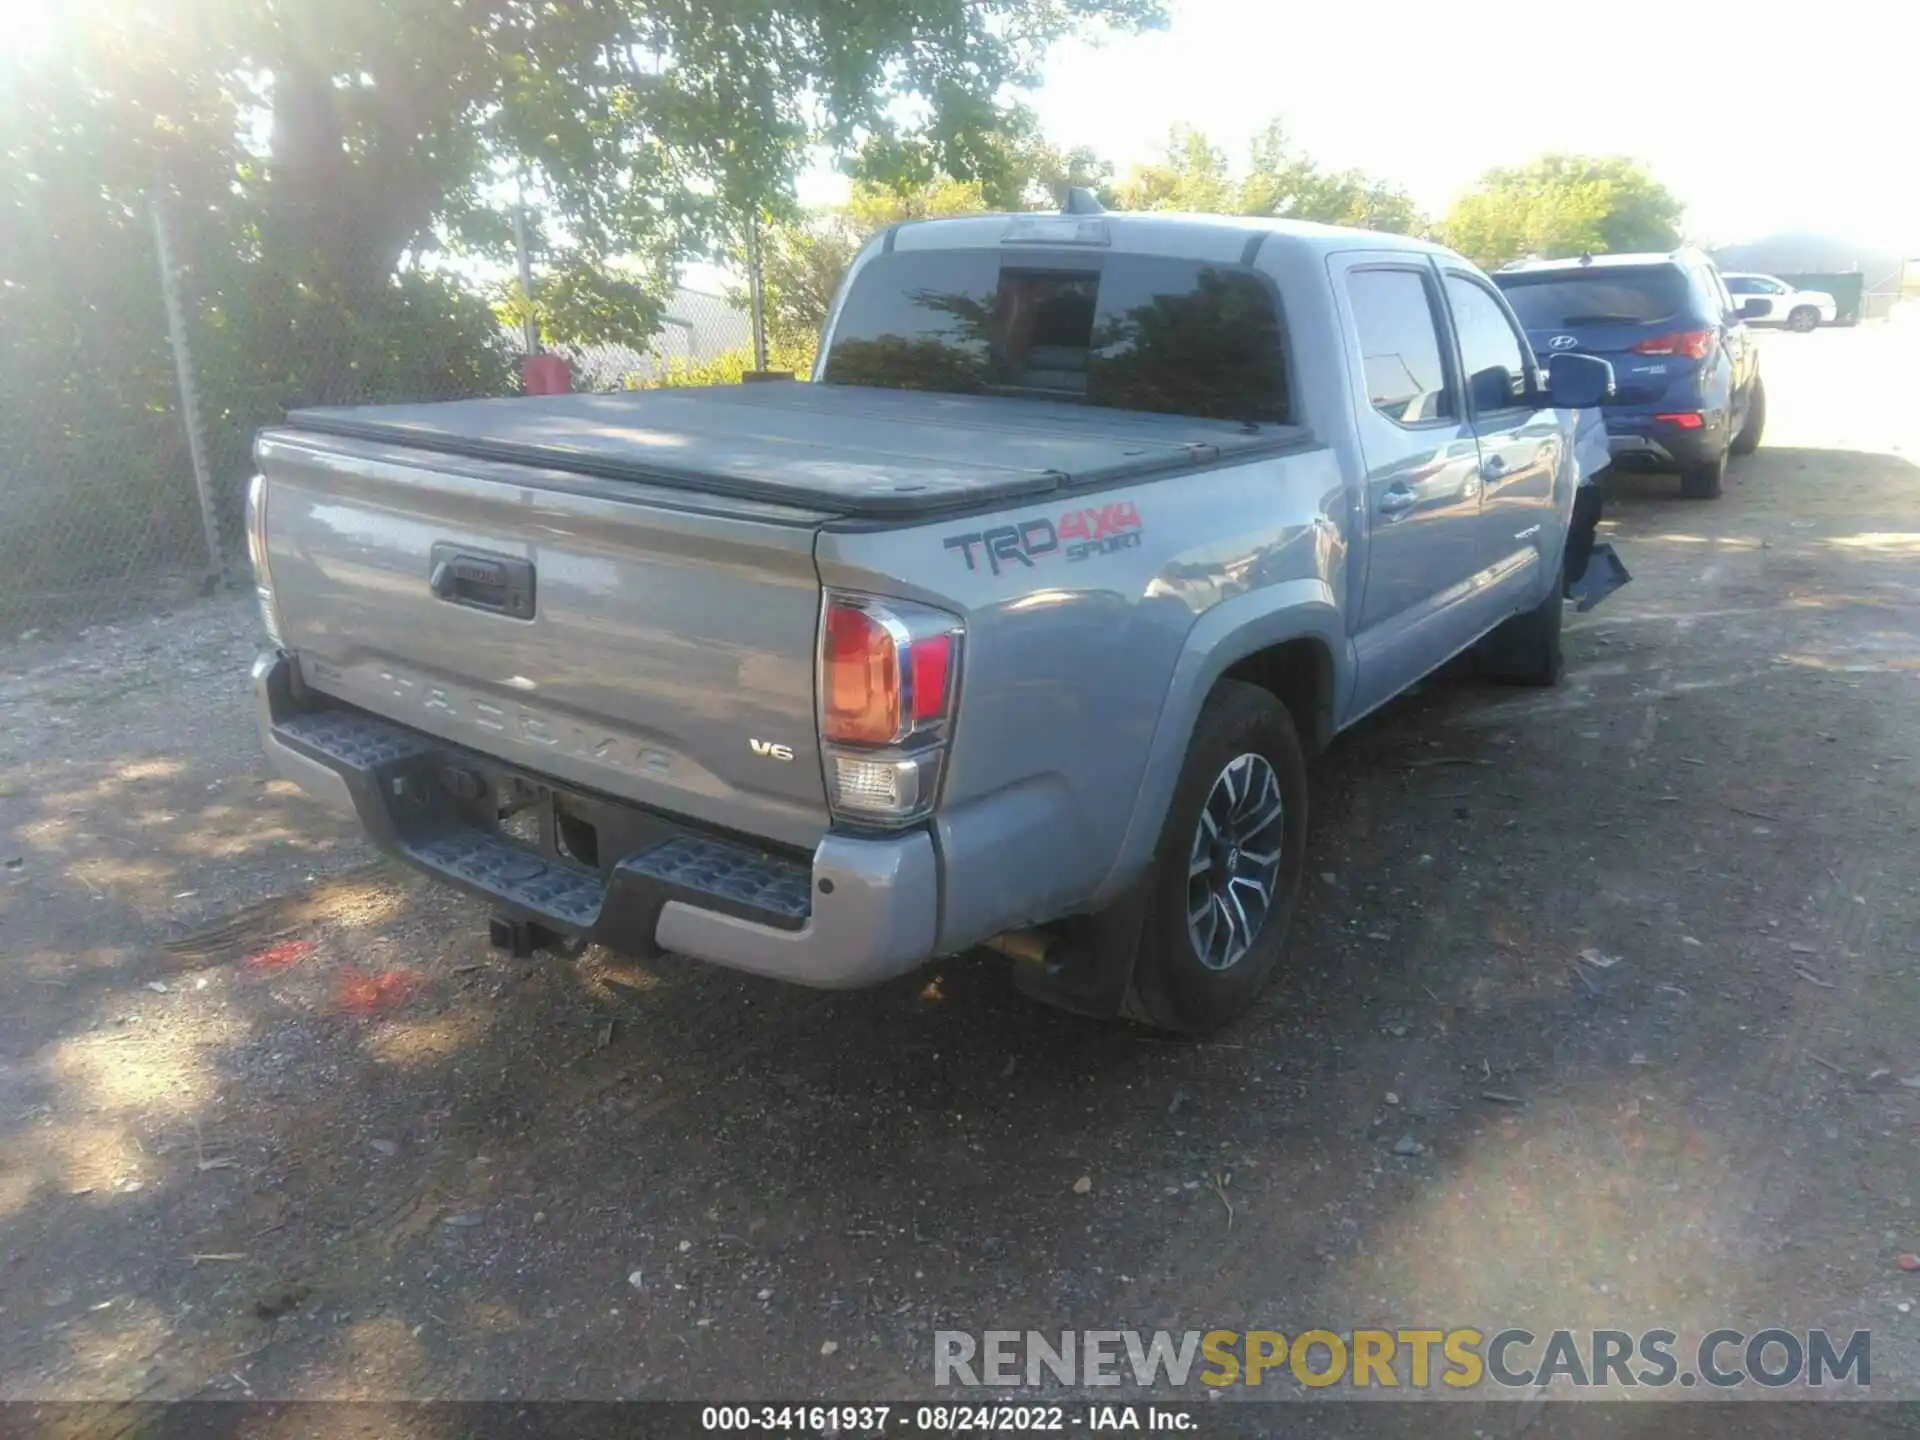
[{"x": 1302, "y": 609}]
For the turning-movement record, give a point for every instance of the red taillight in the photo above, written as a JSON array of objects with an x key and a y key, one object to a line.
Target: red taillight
[
  {"x": 860, "y": 676},
  {"x": 1683, "y": 419},
  {"x": 1693, "y": 344},
  {"x": 886, "y": 670},
  {"x": 932, "y": 665},
  {"x": 889, "y": 681}
]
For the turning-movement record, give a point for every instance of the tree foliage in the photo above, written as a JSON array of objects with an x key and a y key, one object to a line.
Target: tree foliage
[
  {"x": 358, "y": 132},
  {"x": 338, "y": 174},
  {"x": 1195, "y": 174},
  {"x": 900, "y": 178},
  {"x": 1013, "y": 166},
  {"x": 802, "y": 261},
  {"x": 729, "y": 367},
  {"x": 1563, "y": 205}
]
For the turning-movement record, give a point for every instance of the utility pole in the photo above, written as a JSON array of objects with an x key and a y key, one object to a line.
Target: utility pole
[
  {"x": 189, "y": 393},
  {"x": 529, "y": 325},
  {"x": 756, "y": 291}
]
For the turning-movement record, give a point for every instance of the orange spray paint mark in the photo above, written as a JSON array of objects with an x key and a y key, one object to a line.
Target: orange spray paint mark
[
  {"x": 364, "y": 994},
  {"x": 278, "y": 957}
]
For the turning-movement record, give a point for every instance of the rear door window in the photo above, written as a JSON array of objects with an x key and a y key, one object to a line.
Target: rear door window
[
  {"x": 1133, "y": 332},
  {"x": 1399, "y": 345},
  {"x": 1563, "y": 300}
]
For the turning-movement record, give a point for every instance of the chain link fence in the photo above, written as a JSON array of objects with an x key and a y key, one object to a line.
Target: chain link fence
[
  {"x": 136, "y": 369},
  {"x": 98, "y": 504},
  {"x": 700, "y": 330}
]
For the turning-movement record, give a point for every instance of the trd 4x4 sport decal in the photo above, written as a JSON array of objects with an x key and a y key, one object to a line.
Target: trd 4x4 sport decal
[{"x": 1078, "y": 535}]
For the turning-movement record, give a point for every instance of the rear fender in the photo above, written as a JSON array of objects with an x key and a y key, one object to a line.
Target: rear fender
[{"x": 1302, "y": 609}]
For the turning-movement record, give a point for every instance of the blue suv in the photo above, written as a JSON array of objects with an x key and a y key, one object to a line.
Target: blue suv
[{"x": 1686, "y": 369}]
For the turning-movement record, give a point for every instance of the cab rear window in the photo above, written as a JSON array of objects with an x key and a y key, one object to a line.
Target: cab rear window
[
  {"x": 1132, "y": 332},
  {"x": 1559, "y": 300}
]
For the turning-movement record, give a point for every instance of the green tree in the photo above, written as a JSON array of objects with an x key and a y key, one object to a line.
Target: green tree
[
  {"x": 1012, "y": 164},
  {"x": 334, "y": 172},
  {"x": 899, "y": 177},
  {"x": 646, "y": 125},
  {"x": 1195, "y": 175},
  {"x": 349, "y": 139},
  {"x": 802, "y": 261},
  {"x": 1191, "y": 175},
  {"x": 1562, "y": 205}
]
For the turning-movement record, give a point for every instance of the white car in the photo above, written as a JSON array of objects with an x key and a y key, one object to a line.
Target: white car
[{"x": 1796, "y": 309}]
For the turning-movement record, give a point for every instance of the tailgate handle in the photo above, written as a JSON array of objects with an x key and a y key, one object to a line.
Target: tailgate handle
[{"x": 498, "y": 584}]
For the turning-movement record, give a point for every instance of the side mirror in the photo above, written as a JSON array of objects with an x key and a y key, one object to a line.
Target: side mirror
[
  {"x": 1492, "y": 388},
  {"x": 1576, "y": 381},
  {"x": 1755, "y": 307}
]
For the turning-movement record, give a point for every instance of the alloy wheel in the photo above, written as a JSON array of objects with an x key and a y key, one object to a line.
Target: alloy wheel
[{"x": 1233, "y": 867}]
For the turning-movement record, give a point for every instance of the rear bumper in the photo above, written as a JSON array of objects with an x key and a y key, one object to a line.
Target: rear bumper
[
  {"x": 1641, "y": 442},
  {"x": 859, "y": 912}
]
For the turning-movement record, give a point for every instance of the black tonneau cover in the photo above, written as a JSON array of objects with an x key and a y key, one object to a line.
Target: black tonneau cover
[{"x": 835, "y": 448}]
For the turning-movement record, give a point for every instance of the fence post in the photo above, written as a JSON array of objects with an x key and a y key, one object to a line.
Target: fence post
[{"x": 189, "y": 395}]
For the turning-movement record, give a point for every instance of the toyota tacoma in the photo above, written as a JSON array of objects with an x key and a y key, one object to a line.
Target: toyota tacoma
[{"x": 1017, "y": 625}]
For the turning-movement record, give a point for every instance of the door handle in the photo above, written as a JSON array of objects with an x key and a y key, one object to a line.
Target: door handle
[
  {"x": 1397, "y": 500},
  {"x": 499, "y": 583}
]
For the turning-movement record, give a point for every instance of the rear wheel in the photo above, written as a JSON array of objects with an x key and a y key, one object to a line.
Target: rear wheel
[
  {"x": 1705, "y": 480},
  {"x": 1802, "y": 318},
  {"x": 1748, "y": 440},
  {"x": 1227, "y": 873}
]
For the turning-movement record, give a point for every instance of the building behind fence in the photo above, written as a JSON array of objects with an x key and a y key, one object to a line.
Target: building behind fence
[{"x": 133, "y": 378}]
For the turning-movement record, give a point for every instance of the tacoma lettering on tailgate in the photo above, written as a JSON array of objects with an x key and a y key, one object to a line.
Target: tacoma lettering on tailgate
[
  {"x": 1077, "y": 535},
  {"x": 455, "y": 712}
]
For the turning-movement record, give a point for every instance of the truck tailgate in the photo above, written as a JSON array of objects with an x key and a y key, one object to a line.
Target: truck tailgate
[{"x": 627, "y": 639}]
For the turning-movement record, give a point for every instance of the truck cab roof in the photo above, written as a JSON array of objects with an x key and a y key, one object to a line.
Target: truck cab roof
[{"x": 1223, "y": 239}]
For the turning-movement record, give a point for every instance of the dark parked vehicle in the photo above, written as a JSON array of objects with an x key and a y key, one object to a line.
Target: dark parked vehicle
[{"x": 1686, "y": 368}]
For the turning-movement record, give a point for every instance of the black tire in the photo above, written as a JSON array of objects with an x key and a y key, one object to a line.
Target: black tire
[
  {"x": 1706, "y": 480},
  {"x": 1803, "y": 318},
  {"x": 1748, "y": 440},
  {"x": 1526, "y": 649},
  {"x": 1172, "y": 986}
]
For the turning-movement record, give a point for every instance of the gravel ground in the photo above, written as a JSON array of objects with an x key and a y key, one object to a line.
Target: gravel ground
[{"x": 276, "y": 1122}]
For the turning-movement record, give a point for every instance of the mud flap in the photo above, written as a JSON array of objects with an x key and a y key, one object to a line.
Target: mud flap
[
  {"x": 1087, "y": 968},
  {"x": 1604, "y": 574},
  {"x": 1592, "y": 571}
]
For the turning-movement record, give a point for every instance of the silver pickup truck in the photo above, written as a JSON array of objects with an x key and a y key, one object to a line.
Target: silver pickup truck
[{"x": 1016, "y": 626}]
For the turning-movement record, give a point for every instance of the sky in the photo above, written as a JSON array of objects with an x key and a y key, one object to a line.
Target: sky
[{"x": 1758, "y": 125}]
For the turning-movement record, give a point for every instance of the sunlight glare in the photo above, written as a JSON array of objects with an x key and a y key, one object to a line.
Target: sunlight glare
[{"x": 26, "y": 26}]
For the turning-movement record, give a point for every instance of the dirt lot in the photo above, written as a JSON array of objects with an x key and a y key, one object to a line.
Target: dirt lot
[{"x": 275, "y": 1121}]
